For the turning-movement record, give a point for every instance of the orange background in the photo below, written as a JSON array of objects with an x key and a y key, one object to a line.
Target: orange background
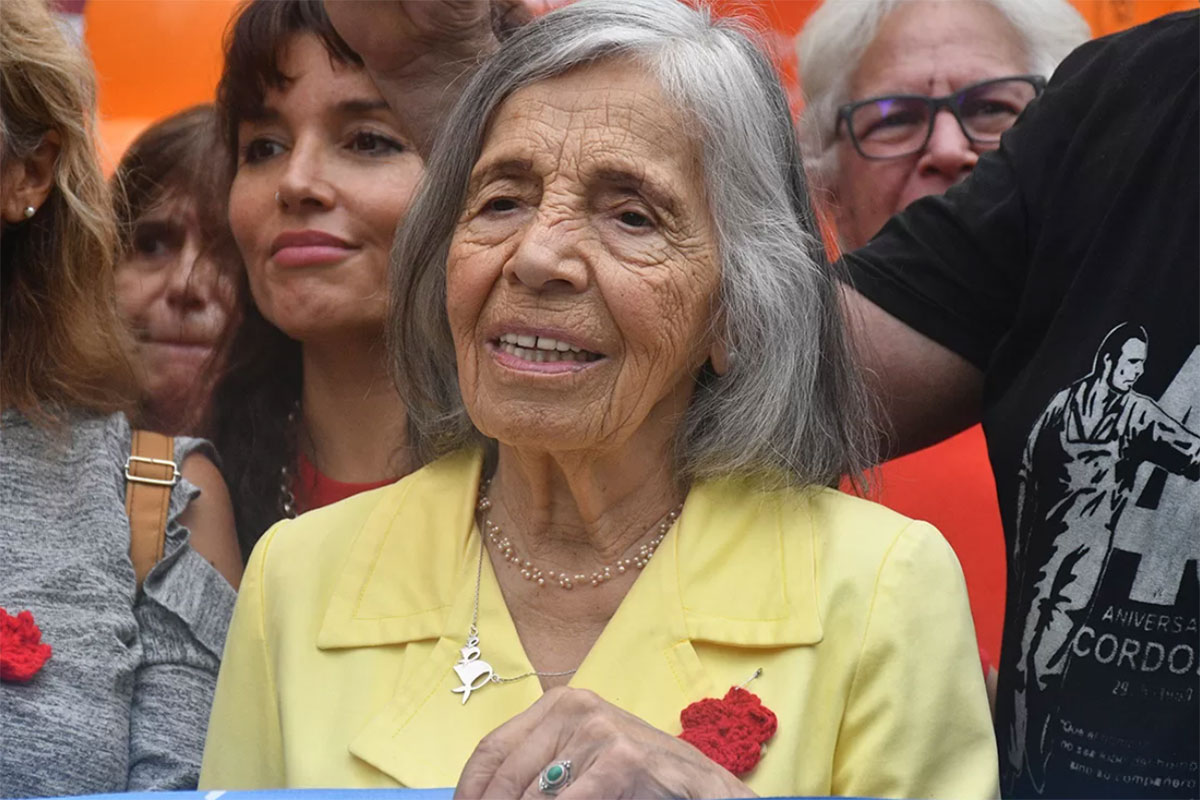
[{"x": 154, "y": 57}]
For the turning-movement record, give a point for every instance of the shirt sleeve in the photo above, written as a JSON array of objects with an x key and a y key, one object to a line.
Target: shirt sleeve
[
  {"x": 182, "y": 615},
  {"x": 953, "y": 267},
  {"x": 244, "y": 745},
  {"x": 917, "y": 722}
]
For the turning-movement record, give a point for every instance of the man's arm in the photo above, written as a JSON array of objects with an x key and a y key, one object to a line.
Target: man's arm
[{"x": 927, "y": 391}]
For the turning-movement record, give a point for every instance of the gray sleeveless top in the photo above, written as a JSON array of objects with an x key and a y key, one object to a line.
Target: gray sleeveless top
[{"x": 122, "y": 704}]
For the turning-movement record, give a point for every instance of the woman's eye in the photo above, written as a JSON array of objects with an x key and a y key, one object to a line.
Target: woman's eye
[
  {"x": 152, "y": 246},
  {"x": 374, "y": 144},
  {"x": 155, "y": 240},
  {"x": 636, "y": 220},
  {"x": 500, "y": 204},
  {"x": 257, "y": 150}
]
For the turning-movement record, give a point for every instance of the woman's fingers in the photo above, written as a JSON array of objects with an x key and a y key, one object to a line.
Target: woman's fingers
[
  {"x": 612, "y": 754},
  {"x": 526, "y": 738}
]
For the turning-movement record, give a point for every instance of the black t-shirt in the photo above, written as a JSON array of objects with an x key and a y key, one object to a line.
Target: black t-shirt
[{"x": 1066, "y": 268}]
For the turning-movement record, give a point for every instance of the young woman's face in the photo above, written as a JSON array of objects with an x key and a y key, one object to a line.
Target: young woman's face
[
  {"x": 323, "y": 178},
  {"x": 178, "y": 300}
]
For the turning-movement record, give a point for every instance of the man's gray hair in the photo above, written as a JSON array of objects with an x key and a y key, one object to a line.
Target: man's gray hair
[
  {"x": 838, "y": 33},
  {"x": 792, "y": 407}
]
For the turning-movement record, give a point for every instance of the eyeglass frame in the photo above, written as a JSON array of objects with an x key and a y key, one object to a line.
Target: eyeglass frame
[{"x": 936, "y": 104}]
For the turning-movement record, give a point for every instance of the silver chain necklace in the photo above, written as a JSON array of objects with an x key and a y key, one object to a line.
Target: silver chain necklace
[{"x": 473, "y": 672}]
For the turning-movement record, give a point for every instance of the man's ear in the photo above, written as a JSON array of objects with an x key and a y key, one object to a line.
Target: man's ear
[
  {"x": 27, "y": 182},
  {"x": 719, "y": 357}
]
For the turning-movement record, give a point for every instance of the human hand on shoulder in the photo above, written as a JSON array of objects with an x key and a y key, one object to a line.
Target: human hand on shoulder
[{"x": 611, "y": 752}]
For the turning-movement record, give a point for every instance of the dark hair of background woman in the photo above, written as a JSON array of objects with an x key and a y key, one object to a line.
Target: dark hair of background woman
[
  {"x": 255, "y": 401},
  {"x": 175, "y": 158}
]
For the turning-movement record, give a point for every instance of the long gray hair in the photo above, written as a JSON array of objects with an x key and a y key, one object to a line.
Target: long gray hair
[{"x": 792, "y": 407}]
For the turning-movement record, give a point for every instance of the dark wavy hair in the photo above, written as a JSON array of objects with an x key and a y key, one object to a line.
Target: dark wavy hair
[
  {"x": 259, "y": 389},
  {"x": 175, "y": 156}
]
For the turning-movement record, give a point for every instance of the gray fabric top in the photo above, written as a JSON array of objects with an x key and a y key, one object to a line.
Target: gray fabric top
[{"x": 122, "y": 704}]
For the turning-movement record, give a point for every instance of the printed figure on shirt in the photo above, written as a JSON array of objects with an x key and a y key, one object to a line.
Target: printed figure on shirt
[{"x": 1098, "y": 445}]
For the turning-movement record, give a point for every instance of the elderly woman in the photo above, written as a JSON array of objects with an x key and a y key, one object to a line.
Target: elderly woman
[{"x": 620, "y": 352}]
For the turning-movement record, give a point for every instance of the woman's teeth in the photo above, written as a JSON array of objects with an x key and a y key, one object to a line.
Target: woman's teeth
[{"x": 543, "y": 349}]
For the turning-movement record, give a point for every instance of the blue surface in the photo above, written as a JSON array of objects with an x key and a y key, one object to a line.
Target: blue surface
[
  {"x": 298, "y": 794},
  {"x": 284, "y": 794}
]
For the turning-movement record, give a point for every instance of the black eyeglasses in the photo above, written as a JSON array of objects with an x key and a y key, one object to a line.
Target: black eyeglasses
[{"x": 899, "y": 125}]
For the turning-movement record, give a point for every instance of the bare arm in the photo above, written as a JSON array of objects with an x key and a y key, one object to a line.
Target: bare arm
[
  {"x": 927, "y": 392},
  {"x": 421, "y": 54},
  {"x": 209, "y": 518}
]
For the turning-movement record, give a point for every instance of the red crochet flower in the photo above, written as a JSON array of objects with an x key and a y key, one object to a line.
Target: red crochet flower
[
  {"x": 730, "y": 731},
  {"x": 22, "y": 653}
]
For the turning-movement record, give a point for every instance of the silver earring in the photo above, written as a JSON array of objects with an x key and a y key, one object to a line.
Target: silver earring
[
  {"x": 278, "y": 202},
  {"x": 29, "y": 212}
]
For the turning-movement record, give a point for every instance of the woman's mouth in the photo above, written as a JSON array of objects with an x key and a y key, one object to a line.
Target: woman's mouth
[
  {"x": 541, "y": 353},
  {"x": 309, "y": 248}
]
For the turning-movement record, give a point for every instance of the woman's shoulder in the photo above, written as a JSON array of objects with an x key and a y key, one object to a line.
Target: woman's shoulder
[
  {"x": 827, "y": 513},
  {"x": 314, "y": 545},
  {"x": 848, "y": 538}
]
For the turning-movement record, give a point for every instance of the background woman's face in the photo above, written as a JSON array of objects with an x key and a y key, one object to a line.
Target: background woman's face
[
  {"x": 931, "y": 48},
  {"x": 583, "y": 271},
  {"x": 178, "y": 300},
  {"x": 333, "y": 150}
]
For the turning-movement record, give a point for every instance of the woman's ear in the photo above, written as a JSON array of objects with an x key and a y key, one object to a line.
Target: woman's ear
[
  {"x": 27, "y": 182},
  {"x": 719, "y": 357}
]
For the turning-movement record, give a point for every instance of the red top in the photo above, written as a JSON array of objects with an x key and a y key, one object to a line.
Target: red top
[{"x": 314, "y": 490}]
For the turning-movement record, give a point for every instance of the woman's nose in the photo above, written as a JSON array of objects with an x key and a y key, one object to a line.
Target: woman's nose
[
  {"x": 948, "y": 153},
  {"x": 191, "y": 283},
  {"x": 304, "y": 183},
  {"x": 548, "y": 256}
]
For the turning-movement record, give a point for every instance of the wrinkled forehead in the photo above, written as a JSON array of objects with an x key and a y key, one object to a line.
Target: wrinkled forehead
[
  {"x": 609, "y": 112},
  {"x": 938, "y": 46}
]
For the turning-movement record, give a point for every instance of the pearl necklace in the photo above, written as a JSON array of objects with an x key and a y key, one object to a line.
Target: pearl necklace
[
  {"x": 473, "y": 671},
  {"x": 565, "y": 580}
]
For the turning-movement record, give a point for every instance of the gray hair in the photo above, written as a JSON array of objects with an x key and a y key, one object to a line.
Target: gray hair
[
  {"x": 792, "y": 408},
  {"x": 839, "y": 32}
]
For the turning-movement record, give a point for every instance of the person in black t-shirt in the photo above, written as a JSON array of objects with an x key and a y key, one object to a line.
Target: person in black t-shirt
[{"x": 1054, "y": 296}]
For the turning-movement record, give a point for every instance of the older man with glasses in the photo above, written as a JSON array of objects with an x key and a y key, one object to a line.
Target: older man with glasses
[
  {"x": 901, "y": 99},
  {"x": 1052, "y": 296},
  {"x": 902, "y": 96}
]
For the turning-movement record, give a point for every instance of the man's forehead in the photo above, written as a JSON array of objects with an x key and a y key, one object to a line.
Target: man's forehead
[{"x": 1133, "y": 348}]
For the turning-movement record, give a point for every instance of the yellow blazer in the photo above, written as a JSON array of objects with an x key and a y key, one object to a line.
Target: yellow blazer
[{"x": 338, "y": 665}]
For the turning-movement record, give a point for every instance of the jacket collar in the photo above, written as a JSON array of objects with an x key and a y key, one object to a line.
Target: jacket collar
[{"x": 738, "y": 569}]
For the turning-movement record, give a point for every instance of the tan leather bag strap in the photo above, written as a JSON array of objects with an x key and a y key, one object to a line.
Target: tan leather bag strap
[{"x": 150, "y": 473}]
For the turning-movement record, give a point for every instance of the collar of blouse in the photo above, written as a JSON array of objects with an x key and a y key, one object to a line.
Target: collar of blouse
[{"x": 730, "y": 572}]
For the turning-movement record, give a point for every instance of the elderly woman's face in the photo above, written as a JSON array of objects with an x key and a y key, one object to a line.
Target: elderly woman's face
[
  {"x": 931, "y": 48},
  {"x": 583, "y": 271}
]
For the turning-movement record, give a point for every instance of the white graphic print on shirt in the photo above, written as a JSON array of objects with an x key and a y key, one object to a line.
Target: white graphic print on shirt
[{"x": 1104, "y": 468}]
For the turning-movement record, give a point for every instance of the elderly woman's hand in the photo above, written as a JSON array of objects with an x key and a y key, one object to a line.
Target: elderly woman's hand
[{"x": 612, "y": 754}]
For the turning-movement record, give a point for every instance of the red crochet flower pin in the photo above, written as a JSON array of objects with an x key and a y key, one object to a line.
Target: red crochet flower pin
[
  {"x": 22, "y": 653},
  {"x": 731, "y": 731}
]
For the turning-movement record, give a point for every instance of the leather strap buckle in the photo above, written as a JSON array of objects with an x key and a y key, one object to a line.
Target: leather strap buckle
[{"x": 156, "y": 462}]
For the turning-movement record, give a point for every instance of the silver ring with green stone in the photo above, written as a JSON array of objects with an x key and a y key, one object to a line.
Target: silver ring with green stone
[{"x": 555, "y": 777}]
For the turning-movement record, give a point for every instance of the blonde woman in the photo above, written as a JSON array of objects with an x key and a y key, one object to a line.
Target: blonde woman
[{"x": 120, "y": 698}]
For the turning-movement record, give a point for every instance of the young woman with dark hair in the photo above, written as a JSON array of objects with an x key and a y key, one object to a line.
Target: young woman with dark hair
[{"x": 323, "y": 172}]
